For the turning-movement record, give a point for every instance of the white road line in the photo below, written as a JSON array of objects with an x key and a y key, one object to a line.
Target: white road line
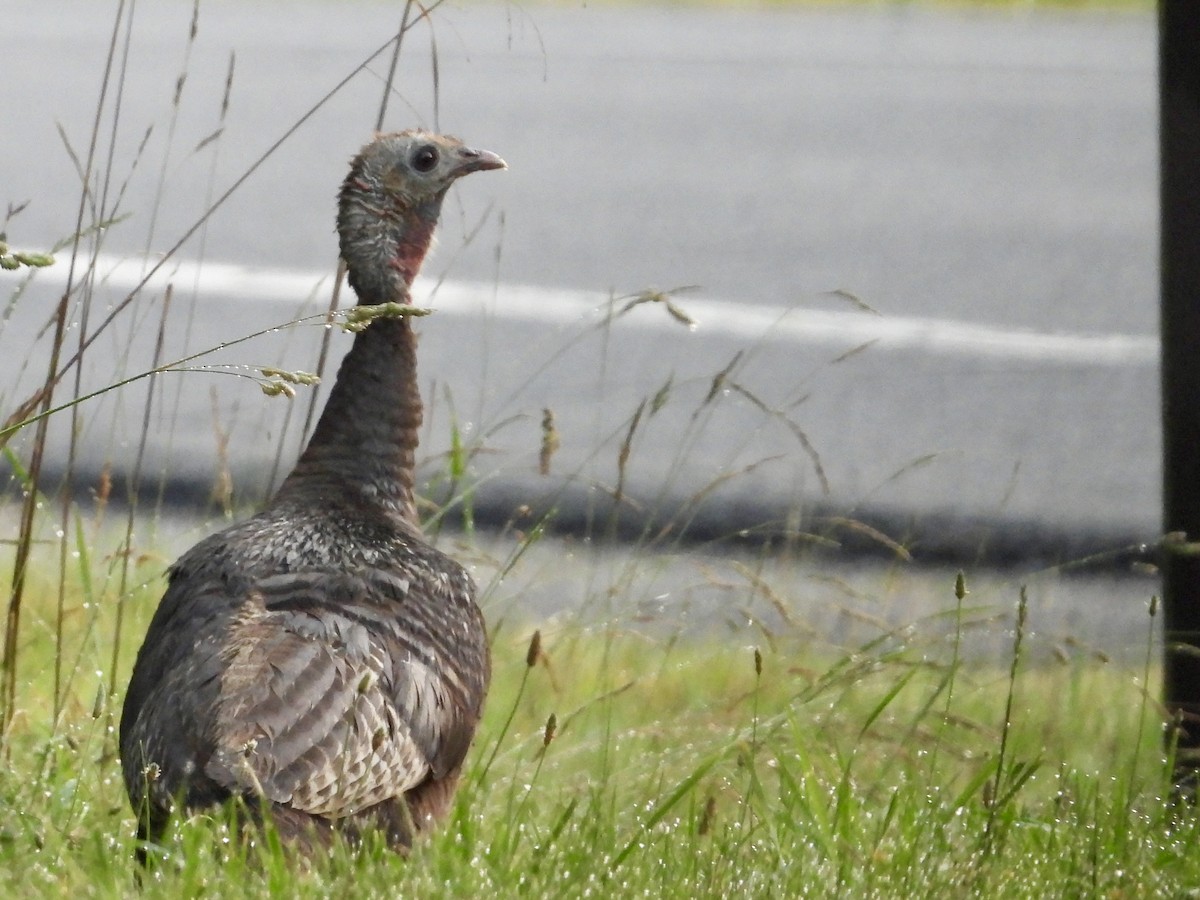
[{"x": 745, "y": 321}]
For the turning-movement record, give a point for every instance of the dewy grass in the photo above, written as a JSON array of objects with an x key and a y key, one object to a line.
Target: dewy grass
[{"x": 672, "y": 767}]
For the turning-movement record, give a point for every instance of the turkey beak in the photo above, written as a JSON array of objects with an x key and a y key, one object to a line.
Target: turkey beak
[{"x": 470, "y": 160}]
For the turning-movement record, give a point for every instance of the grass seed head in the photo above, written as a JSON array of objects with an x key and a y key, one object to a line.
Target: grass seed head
[{"x": 533, "y": 654}]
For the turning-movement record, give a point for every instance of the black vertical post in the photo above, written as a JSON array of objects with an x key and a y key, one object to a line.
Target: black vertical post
[{"x": 1179, "y": 186}]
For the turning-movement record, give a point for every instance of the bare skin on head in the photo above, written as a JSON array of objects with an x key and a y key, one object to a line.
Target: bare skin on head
[{"x": 321, "y": 660}]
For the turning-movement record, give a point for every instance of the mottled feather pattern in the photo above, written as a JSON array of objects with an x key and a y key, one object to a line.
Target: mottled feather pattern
[
  {"x": 334, "y": 688},
  {"x": 321, "y": 659}
]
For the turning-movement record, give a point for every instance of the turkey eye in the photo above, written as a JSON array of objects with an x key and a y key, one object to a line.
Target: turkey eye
[{"x": 425, "y": 158}]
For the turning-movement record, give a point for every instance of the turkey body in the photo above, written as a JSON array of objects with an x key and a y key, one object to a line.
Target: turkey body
[
  {"x": 320, "y": 660},
  {"x": 331, "y": 668}
]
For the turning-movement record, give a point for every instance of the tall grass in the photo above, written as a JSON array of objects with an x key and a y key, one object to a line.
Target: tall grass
[
  {"x": 628, "y": 749},
  {"x": 616, "y": 761}
]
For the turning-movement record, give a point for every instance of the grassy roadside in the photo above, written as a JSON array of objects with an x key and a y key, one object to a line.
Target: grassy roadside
[{"x": 620, "y": 760}]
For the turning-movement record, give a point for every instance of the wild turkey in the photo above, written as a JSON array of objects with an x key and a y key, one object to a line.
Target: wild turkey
[{"x": 321, "y": 660}]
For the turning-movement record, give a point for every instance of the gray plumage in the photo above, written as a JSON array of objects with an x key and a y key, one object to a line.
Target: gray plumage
[{"x": 321, "y": 660}]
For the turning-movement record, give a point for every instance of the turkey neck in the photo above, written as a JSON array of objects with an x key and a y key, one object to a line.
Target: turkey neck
[{"x": 362, "y": 452}]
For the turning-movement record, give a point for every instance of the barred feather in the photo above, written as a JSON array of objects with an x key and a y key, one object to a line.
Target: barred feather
[{"x": 321, "y": 660}]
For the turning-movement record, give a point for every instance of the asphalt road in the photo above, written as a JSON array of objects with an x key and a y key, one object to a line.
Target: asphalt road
[{"x": 991, "y": 171}]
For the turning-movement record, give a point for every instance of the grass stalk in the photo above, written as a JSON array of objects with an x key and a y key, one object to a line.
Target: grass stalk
[{"x": 1005, "y": 784}]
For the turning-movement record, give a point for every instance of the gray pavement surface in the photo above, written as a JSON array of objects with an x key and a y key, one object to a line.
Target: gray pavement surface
[{"x": 989, "y": 168}]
